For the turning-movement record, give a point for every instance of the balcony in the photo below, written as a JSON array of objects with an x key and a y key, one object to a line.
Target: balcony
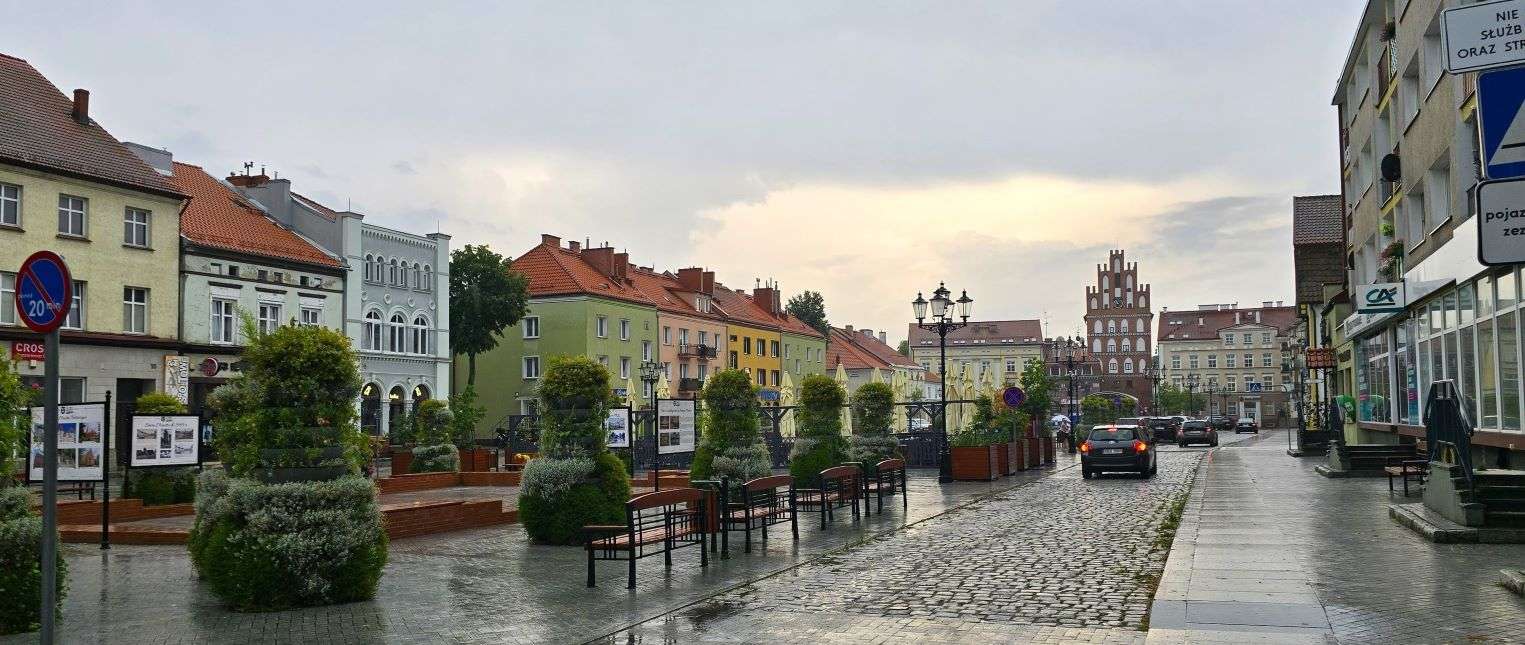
[
  {"x": 690, "y": 384},
  {"x": 701, "y": 352}
]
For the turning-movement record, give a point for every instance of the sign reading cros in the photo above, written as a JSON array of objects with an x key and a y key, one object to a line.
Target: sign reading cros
[{"x": 22, "y": 350}]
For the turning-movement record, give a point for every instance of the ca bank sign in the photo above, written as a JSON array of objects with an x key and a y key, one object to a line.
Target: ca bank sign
[{"x": 1379, "y": 298}]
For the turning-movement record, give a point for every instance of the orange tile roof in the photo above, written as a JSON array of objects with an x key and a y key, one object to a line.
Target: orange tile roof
[
  {"x": 555, "y": 271},
  {"x": 843, "y": 349},
  {"x": 663, "y": 291},
  {"x": 326, "y": 212},
  {"x": 218, "y": 217},
  {"x": 37, "y": 128},
  {"x": 738, "y": 306},
  {"x": 881, "y": 351}
]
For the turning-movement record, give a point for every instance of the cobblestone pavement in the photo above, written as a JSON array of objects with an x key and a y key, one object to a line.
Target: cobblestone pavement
[
  {"x": 1059, "y": 560},
  {"x": 486, "y": 585},
  {"x": 1269, "y": 551}
]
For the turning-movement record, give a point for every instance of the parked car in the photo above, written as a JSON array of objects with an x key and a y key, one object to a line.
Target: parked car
[
  {"x": 1180, "y": 421},
  {"x": 1162, "y": 428},
  {"x": 1197, "y": 431},
  {"x": 1246, "y": 424},
  {"x": 1118, "y": 448},
  {"x": 1220, "y": 423},
  {"x": 1130, "y": 421}
]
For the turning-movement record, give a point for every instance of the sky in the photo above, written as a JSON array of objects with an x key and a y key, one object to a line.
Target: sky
[{"x": 866, "y": 150}]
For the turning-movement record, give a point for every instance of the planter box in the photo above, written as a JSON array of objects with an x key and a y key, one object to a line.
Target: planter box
[
  {"x": 975, "y": 463},
  {"x": 1018, "y": 456},
  {"x": 1048, "y": 451},
  {"x": 476, "y": 460},
  {"x": 1034, "y": 451},
  {"x": 1003, "y": 458},
  {"x": 402, "y": 461}
]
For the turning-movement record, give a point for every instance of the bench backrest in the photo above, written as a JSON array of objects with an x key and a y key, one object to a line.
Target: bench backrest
[
  {"x": 671, "y": 497},
  {"x": 890, "y": 464},
  {"x": 840, "y": 472},
  {"x": 768, "y": 483}
]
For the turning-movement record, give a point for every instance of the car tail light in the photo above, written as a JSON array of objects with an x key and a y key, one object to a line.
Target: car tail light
[
  {"x": 1140, "y": 447},
  {"x": 1085, "y": 446}
]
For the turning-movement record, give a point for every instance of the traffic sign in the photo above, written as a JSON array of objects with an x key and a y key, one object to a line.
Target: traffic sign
[
  {"x": 44, "y": 291},
  {"x": 1501, "y": 221},
  {"x": 1484, "y": 36},
  {"x": 1501, "y": 122},
  {"x": 1013, "y": 396}
]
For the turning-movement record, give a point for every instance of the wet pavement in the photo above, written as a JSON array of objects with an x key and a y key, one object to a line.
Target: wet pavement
[{"x": 487, "y": 585}]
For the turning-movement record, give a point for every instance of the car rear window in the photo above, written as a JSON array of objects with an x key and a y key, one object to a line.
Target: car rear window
[
  {"x": 1159, "y": 423},
  {"x": 1112, "y": 434},
  {"x": 1196, "y": 424},
  {"x": 1128, "y": 421}
]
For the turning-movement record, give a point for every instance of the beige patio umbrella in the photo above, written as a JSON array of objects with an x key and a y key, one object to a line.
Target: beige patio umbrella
[
  {"x": 664, "y": 390},
  {"x": 877, "y": 376},
  {"x": 632, "y": 395},
  {"x": 847, "y": 419},
  {"x": 897, "y": 385},
  {"x": 786, "y": 397}
]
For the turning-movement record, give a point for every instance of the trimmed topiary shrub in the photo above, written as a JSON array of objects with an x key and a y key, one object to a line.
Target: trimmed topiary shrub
[
  {"x": 873, "y": 410},
  {"x": 578, "y": 482},
  {"x": 20, "y": 557},
  {"x": 732, "y": 444},
  {"x": 161, "y": 486},
  {"x": 465, "y": 416},
  {"x": 819, "y": 444},
  {"x": 276, "y": 546},
  {"x": 436, "y": 451},
  {"x": 440, "y": 458}
]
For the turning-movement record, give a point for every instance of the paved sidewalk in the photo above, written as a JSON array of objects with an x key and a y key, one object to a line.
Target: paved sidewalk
[{"x": 1270, "y": 552}]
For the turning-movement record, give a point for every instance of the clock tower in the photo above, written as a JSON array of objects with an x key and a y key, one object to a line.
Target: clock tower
[{"x": 1119, "y": 329}]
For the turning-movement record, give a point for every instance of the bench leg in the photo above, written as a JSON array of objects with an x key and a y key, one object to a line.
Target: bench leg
[
  {"x": 631, "y": 584},
  {"x": 667, "y": 551},
  {"x": 1389, "y": 483},
  {"x": 704, "y": 556},
  {"x": 905, "y": 494},
  {"x": 823, "y": 514},
  {"x": 725, "y": 540},
  {"x": 1405, "y": 485},
  {"x": 765, "y": 524},
  {"x": 748, "y": 532},
  {"x": 590, "y": 568},
  {"x": 794, "y": 522}
]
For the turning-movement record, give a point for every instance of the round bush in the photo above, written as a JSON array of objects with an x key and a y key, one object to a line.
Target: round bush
[
  {"x": 820, "y": 444},
  {"x": 442, "y": 458},
  {"x": 560, "y": 496},
  {"x": 732, "y": 444},
  {"x": 20, "y": 571},
  {"x": 161, "y": 486},
  {"x": 264, "y": 547}
]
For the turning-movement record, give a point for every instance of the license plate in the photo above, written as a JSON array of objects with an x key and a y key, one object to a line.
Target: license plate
[{"x": 1112, "y": 451}]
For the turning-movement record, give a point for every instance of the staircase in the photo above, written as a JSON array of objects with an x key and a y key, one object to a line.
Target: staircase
[{"x": 1502, "y": 494}]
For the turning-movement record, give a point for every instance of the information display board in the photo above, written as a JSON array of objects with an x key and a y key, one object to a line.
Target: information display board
[
  {"x": 170, "y": 440},
  {"x": 617, "y": 425},
  {"x": 675, "y": 426},
  {"x": 81, "y": 443}
]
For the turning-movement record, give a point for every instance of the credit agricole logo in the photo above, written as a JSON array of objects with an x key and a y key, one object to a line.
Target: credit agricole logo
[{"x": 1382, "y": 297}]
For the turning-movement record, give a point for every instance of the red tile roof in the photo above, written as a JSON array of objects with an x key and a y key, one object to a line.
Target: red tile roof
[
  {"x": 313, "y": 205},
  {"x": 555, "y": 271},
  {"x": 1317, "y": 219},
  {"x": 990, "y": 332},
  {"x": 219, "y": 217},
  {"x": 737, "y": 306},
  {"x": 664, "y": 291},
  {"x": 856, "y": 350},
  {"x": 37, "y": 129},
  {"x": 1214, "y": 321}
]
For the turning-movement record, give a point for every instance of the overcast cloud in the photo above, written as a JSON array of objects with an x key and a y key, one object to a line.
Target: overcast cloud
[{"x": 865, "y": 150}]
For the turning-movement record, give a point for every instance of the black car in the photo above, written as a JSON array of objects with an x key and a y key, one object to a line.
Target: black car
[
  {"x": 1118, "y": 448},
  {"x": 1197, "y": 431},
  {"x": 1162, "y": 428},
  {"x": 1246, "y": 424},
  {"x": 1221, "y": 424}
]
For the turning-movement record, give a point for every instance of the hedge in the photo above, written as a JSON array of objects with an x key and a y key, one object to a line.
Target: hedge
[
  {"x": 20, "y": 558},
  {"x": 560, "y": 496},
  {"x": 161, "y": 486},
  {"x": 442, "y": 458}
]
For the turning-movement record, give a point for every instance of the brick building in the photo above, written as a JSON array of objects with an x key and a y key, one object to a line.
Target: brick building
[{"x": 1118, "y": 321}]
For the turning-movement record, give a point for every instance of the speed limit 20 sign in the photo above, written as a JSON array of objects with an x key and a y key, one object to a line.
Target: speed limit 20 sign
[{"x": 44, "y": 291}]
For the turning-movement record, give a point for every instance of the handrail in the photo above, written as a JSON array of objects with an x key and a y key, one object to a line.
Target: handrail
[{"x": 1446, "y": 424}]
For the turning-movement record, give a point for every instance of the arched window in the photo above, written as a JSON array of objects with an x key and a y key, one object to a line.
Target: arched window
[
  {"x": 1142, "y": 326},
  {"x": 1093, "y": 303},
  {"x": 1111, "y": 326},
  {"x": 1143, "y": 301},
  {"x": 392, "y": 276},
  {"x": 1130, "y": 298},
  {"x": 1127, "y": 366},
  {"x": 1130, "y": 282},
  {"x": 1111, "y": 345},
  {"x": 1098, "y": 326},
  {"x": 1105, "y": 283},
  {"x": 370, "y": 267},
  {"x": 1124, "y": 326},
  {"x": 420, "y": 335},
  {"x": 372, "y": 339},
  {"x": 402, "y": 276},
  {"x": 1112, "y": 366},
  {"x": 1143, "y": 344},
  {"x": 1127, "y": 346},
  {"x": 428, "y": 283},
  {"x": 1096, "y": 345},
  {"x": 418, "y": 276},
  {"x": 1117, "y": 264},
  {"x": 395, "y": 334}
]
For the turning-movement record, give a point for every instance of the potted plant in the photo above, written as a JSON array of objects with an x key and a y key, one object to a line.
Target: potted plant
[
  {"x": 873, "y": 412},
  {"x": 819, "y": 444},
  {"x": 1390, "y": 261},
  {"x": 731, "y": 445},
  {"x": 974, "y": 449},
  {"x": 436, "y": 450},
  {"x": 465, "y": 415},
  {"x": 577, "y": 481}
]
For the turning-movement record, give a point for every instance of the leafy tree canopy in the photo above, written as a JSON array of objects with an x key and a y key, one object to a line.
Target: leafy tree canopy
[
  {"x": 485, "y": 297},
  {"x": 810, "y": 308}
]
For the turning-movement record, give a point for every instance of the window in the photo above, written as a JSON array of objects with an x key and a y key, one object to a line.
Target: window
[
  {"x": 10, "y": 205},
  {"x": 1265, "y": 338},
  {"x": 773, "y": 347},
  {"x": 1437, "y": 184},
  {"x": 1265, "y": 359},
  {"x": 645, "y": 350},
  {"x": 1096, "y": 345},
  {"x": 1097, "y": 326},
  {"x": 372, "y": 330},
  {"x": 1175, "y": 361},
  {"x": 1228, "y": 340},
  {"x": 1192, "y": 360},
  {"x": 1249, "y": 360},
  {"x": 1127, "y": 366},
  {"x": 71, "y": 215},
  {"x": 1248, "y": 338},
  {"x": 395, "y": 336},
  {"x": 418, "y": 276},
  {"x": 531, "y": 327},
  {"x": 420, "y": 335},
  {"x": 666, "y": 335},
  {"x": 704, "y": 338},
  {"x": 531, "y": 367},
  {"x": 135, "y": 227},
  {"x": 1124, "y": 326},
  {"x": 222, "y": 320},
  {"x": 1111, "y": 326},
  {"x": 370, "y": 268},
  {"x": 746, "y": 345},
  {"x": 1112, "y": 366},
  {"x": 603, "y": 360},
  {"x": 135, "y": 310},
  {"x": 1111, "y": 345},
  {"x": 311, "y": 316},
  {"x": 624, "y": 329},
  {"x": 1228, "y": 384},
  {"x": 624, "y": 367},
  {"x": 775, "y": 378},
  {"x": 1127, "y": 346},
  {"x": 269, "y": 317},
  {"x": 601, "y": 326},
  {"x": 1212, "y": 361},
  {"x": 762, "y": 347},
  {"x": 1231, "y": 360},
  {"x": 402, "y": 276},
  {"x": 76, "y": 317},
  {"x": 428, "y": 283},
  {"x": 1432, "y": 59},
  {"x": 762, "y": 377},
  {"x": 394, "y": 274},
  {"x": 7, "y": 296},
  {"x": 1011, "y": 366}
]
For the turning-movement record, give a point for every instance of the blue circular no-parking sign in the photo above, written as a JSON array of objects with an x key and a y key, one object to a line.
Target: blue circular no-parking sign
[{"x": 44, "y": 291}]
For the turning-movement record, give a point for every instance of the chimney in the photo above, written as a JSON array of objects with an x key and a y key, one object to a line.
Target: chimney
[
  {"x": 601, "y": 259},
  {"x": 767, "y": 298},
  {"x": 709, "y": 282},
  {"x": 884, "y": 338},
  {"x": 248, "y": 181},
  {"x": 620, "y": 266},
  {"x": 848, "y": 329},
  {"x": 1268, "y": 303},
  {"x": 550, "y": 240},
  {"x": 574, "y": 246},
  {"x": 81, "y": 111},
  {"x": 692, "y": 279},
  {"x": 1236, "y": 318},
  {"x": 1257, "y": 316}
]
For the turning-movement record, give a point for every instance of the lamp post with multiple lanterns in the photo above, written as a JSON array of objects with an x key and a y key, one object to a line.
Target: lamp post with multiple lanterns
[
  {"x": 942, "y": 322},
  {"x": 1065, "y": 350}
]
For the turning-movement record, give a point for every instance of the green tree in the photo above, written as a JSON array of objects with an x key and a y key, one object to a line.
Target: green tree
[
  {"x": 577, "y": 482},
  {"x": 14, "y": 420},
  {"x": 486, "y": 296},
  {"x": 1039, "y": 387},
  {"x": 873, "y": 410},
  {"x": 904, "y": 348},
  {"x": 732, "y": 444},
  {"x": 1096, "y": 409},
  {"x": 820, "y": 444},
  {"x": 466, "y": 415},
  {"x": 810, "y": 308},
  {"x": 158, "y": 403},
  {"x": 1175, "y": 400}
]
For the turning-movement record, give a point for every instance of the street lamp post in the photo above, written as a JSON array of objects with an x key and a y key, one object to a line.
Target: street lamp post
[
  {"x": 942, "y": 323},
  {"x": 1152, "y": 372},
  {"x": 1191, "y": 392},
  {"x": 651, "y": 371},
  {"x": 1065, "y": 348}
]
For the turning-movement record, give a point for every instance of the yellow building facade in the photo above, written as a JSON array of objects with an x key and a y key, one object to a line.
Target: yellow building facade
[{"x": 755, "y": 350}]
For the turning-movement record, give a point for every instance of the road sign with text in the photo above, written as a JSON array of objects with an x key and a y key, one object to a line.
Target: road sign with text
[
  {"x": 1484, "y": 36},
  {"x": 1501, "y": 221},
  {"x": 44, "y": 291}
]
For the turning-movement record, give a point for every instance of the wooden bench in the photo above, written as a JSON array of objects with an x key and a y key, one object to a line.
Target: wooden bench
[
  {"x": 763, "y": 502},
  {"x": 655, "y": 523},
  {"x": 888, "y": 480},
  {"x": 1406, "y": 469},
  {"x": 839, "y": 486}
]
